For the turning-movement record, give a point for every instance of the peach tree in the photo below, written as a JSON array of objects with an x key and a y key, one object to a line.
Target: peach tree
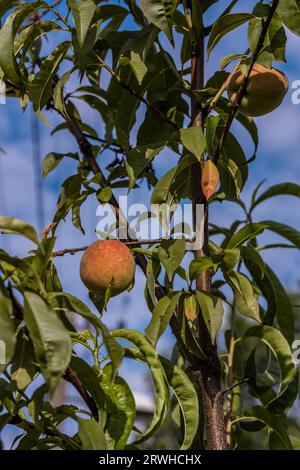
[{"x": 141, "y": 67}]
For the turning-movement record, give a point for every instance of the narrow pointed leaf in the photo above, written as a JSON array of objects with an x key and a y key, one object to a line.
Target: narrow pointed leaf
[
  {"x": 150, "y": 356},
  {"x": 18, "y": 227},
  {"x": 52, "y": 342}
]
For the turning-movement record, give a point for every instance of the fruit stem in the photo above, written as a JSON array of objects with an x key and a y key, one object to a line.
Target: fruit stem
[{"x": 223, "y": 87}]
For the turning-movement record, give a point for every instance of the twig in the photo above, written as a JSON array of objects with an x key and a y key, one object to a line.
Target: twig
[
  {"x": 243, "y": 88},
  {"x": 137, "y": 95},
  {"x": 70, "y": 251},
  {"x": 71, "y": 377},
  {"x": 236, "y": 384},
  {"x": 113, "y": 147},
  {"x": 222, "y": 88},
  {"x": 39, "y": 16},
  {"x": 16, "y": 420},
  {"x": 73, "y": 251},
  {"x": 54, "y": 4}
]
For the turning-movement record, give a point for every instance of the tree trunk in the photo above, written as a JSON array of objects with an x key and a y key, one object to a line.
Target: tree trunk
[{"x": 208, "y": 375}]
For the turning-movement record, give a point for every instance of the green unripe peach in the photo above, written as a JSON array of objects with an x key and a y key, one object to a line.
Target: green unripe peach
[
  {"x": 265, "y": 90},
  {"x": 105, "y": 263}
]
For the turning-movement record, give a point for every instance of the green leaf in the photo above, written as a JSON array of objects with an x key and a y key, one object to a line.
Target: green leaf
[
  {"x": 69, "y": 194},
  {"x": 235, "y": 176},
  {"x": 18, "y": 227},
  {"x": 105, "y": 194},
  {"x": 52, "y": 342},
  {"x": 252, "y": 255},
  {"x": 41, "y": 87},
  {"x": 282, "y": 189},
  {"x": 246, "y": 302},
  {"x": 273, "y": 422},
  {"x": 23, "y": 367},
  {"x": 88, "y": 376},
  {"x": 250, "y": 231},
  {"x": 42, "y": 257},
  {"x": 212, "y": 123},
  {"x": 115, "y": 351},
  {"x": 36, "y": 403},
  {"x": 161, "y": 316},
  {"x": 193, "y": 140},
  {"x": 171, "y": 253},
  {"x": 289, "y": 12},
  {"x": 187, "y": 398},
  {"x": 162, "y": 188},
  {"x": 283, "y": 306},
  {"x": 29, "y": 440},
  {"x": 276, "y": 342},
  {"x": 83, "y": 12},
  {"x": 249, "y": 124},
  {"x": 233, "y": 165},
  {"x": 246, "y": 233},
  {"x": 155, "y": 131},
  {"x": 70, "y": 303},
  {"x": 58, "y": 94},
  {"x": 279, "y": 304},
  {"x": 29, "y": 38},
  {"x": 186, "y": 333},
  {"x": 275, "y": 40},
  {"x": 160, "y": 13},
  {"x": 7, "y": 327},
  {"x": 284, "y": 231},
  {"x": 138, "y": 66},
  {"x": 231, "y": 257},
  {"x": 120, "y": 409},
  {"x": 24, "y": 271},
  {"x": 8, "y": 33},
  {"x": 137, "y": 161},
  {"x": 199, "y": 265},
  {"x": 91, "y": 435},
  {"x": 150, "y": 356},
  {"x": 224, "y": 25},
  {"x": 226, "y": 60},
  {"x": 4, "y": 7},
  {"x": 52, "y": 160},
  {"x": 212, "y": 311},
  {"x": 151, "y": 273}
]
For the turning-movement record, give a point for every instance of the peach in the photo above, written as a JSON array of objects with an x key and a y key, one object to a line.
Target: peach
[
  {"x": 265, "y": 90},
  {"x": 107, "y": 262}
]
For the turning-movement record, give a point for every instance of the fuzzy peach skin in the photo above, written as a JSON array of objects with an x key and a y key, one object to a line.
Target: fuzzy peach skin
[
  {"x": 265, "y": 90},
  {"x": 105, "y": 262}
]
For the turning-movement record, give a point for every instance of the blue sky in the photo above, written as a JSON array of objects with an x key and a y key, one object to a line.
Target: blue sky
[{"x": 278, "y": 160}]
